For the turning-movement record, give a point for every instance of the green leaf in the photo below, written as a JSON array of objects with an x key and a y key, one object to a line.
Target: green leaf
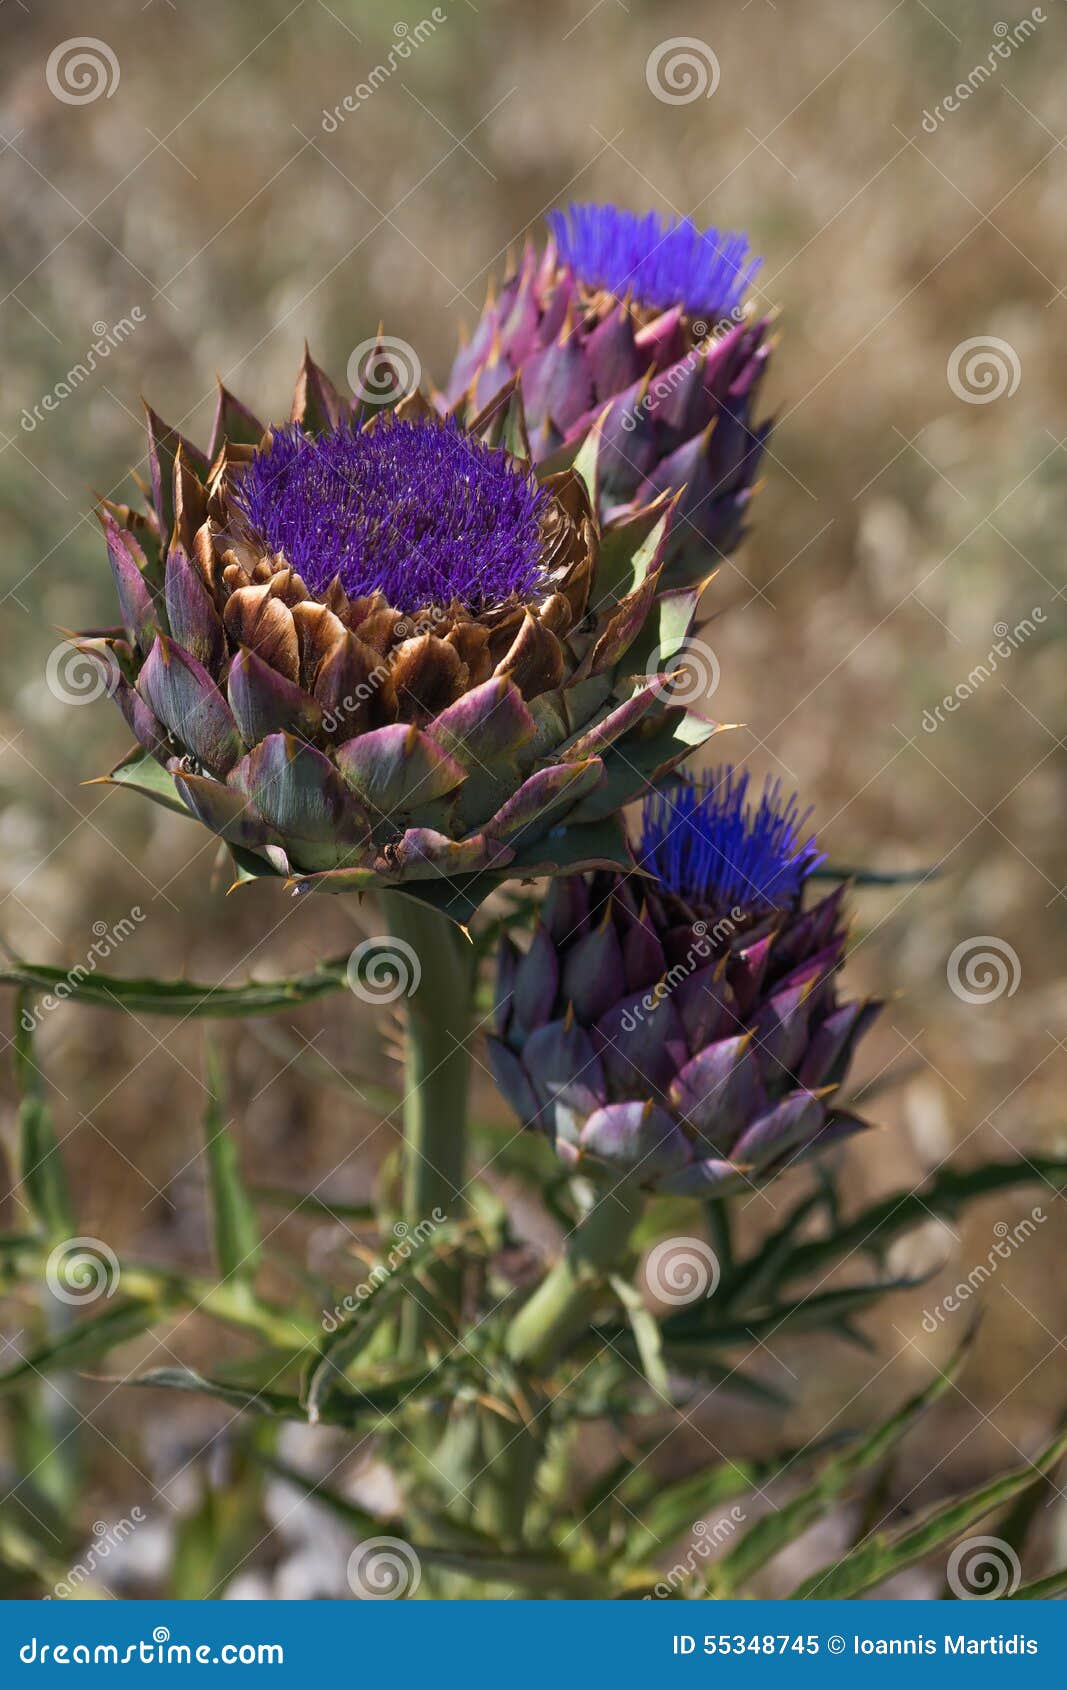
[
  {"x": 372, "y": 1407},
  {"x": 40, "y": 1167},
  {"x": 787, "y": 1523},
  {"x": 236, "y": 1233},
  {"x": 873, "y": 1562},
  {"x": 212, "y": 1543},
  {"x": 646, "y": 1331},
  {"x": 308, "y": 1203},
  {"x": 480, "y": 1558},
  {"x": 147, "y": 996},
  {"x": 329, "y": 1370},
  {"x": 86, "y": 1342},
  {"x": 942, "y": 1195},
  {"x": 664, "y": 1511},
  {"x": 875, "y": 877},
  {"x": 747, "y": 1285},
  {"x": 1042, "y": 1590},
  {"x": 810, "y": 1313}
]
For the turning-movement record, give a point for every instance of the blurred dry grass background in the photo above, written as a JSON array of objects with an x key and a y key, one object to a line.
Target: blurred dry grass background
[{"x": 897, "y": 525}]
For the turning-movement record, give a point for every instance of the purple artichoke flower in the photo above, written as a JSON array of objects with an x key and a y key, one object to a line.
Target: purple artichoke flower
[
  {"x": 638, "y": 323},
  {"x": 386, "y": 652},
  {"x": 680, "y": 1024}
]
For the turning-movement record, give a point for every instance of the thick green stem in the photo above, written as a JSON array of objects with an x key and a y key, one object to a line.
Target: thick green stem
[
  {"x": 562, "y": 1303},
  {"x": 437, "y": 1072}
]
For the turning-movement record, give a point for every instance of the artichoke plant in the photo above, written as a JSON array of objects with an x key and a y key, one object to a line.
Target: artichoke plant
[
  {"x": 640, "y": 323},
  {"x": 680, "y": 1026},
  {"x": 380, "y": 651}
]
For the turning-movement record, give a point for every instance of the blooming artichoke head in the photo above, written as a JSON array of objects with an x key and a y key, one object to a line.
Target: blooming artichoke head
[
  {"x": 638, "y": 321},
  {"x": 680, "y": 1024},
  {"x": 385, "y": 652}
]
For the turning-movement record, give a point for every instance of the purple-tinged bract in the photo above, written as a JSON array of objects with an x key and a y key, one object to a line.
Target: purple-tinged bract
[
  {"x": 385, "y": 652},
  {"x": 685, "y": 1031},
  {"x": 637, "y": 328},
  {"x": 657, "y": 261},
  {"x": 416, "y": 510}
]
